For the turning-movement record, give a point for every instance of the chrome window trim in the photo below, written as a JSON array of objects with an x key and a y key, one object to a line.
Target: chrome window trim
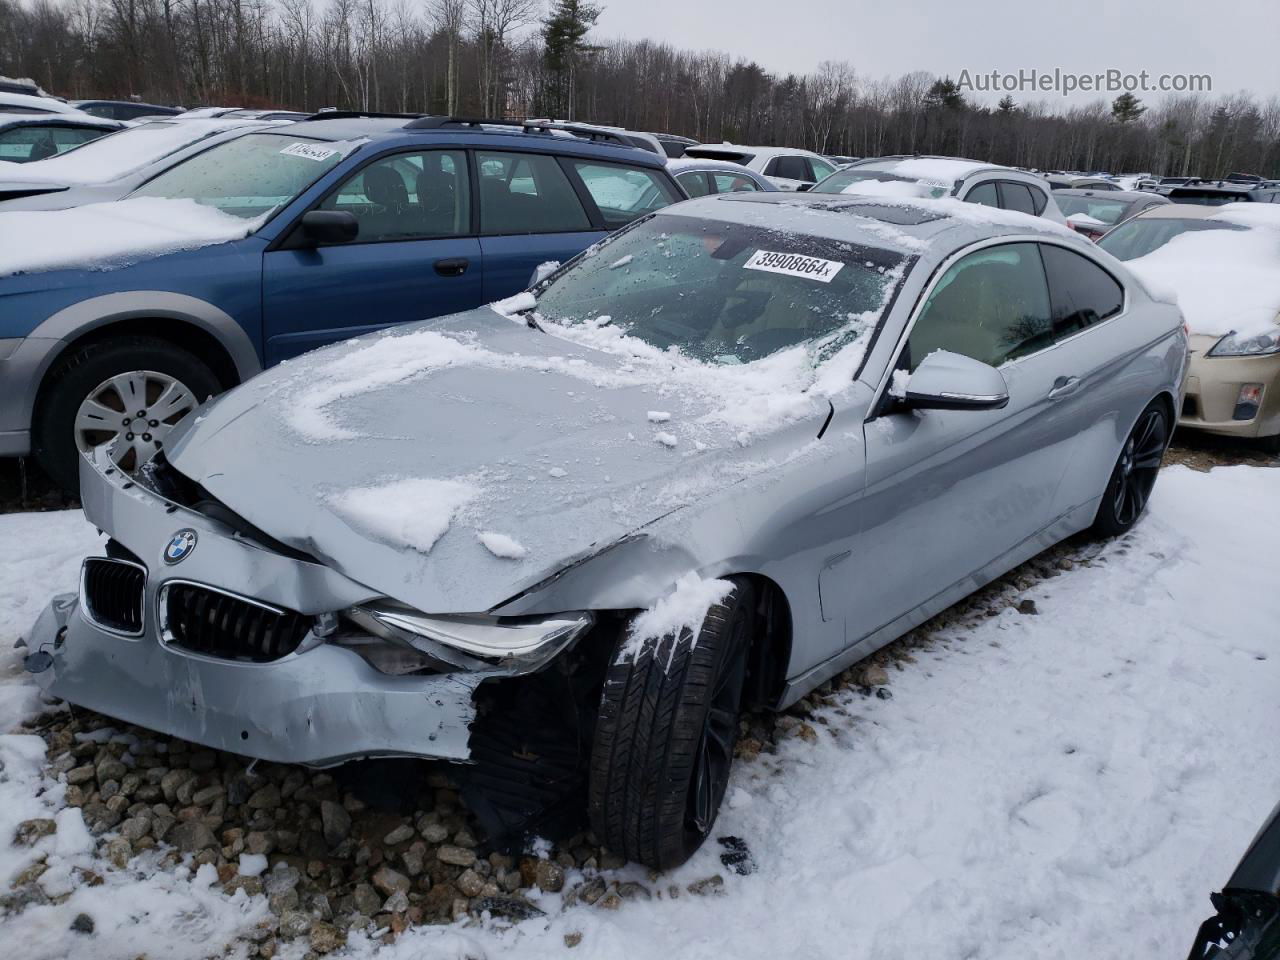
[
  {"x": 940, "y": 271},
  {"x": 87, "y": 611}
]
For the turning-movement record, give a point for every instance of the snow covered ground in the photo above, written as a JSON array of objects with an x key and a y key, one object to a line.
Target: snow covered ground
[{"x": 1067, "y": 782}]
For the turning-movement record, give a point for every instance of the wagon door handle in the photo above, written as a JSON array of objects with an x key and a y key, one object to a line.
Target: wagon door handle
[
  {"x": 452, "y": 267},
  {"x": 1064, "y": 387}
]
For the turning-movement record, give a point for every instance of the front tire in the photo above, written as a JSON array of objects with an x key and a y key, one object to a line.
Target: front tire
[
  {"x": 1134, "y": 475},
  {"x": 125, "y": 389},
  {"x": 665, "y": 736}
]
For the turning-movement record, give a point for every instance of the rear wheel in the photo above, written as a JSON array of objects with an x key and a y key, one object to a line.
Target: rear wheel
[
  {"x": 1134, "y": 474},
  {"x": 665, "y": 736},
  {"x": 131, "y": 390}
]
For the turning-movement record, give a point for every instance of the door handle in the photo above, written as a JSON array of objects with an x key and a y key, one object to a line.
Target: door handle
[
  {"x": 452, "y": 267},
  {"x": 1065, "y": 387}
]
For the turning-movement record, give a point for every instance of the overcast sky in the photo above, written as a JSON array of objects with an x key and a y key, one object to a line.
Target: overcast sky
[{"x": 1238, "y": 48}]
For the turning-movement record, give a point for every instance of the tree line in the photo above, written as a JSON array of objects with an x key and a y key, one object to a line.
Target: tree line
[{"x": 518, "y": 58}]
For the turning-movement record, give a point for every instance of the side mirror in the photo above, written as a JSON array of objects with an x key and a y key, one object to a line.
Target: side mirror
[
  {"x": 329, "y": 226},
  {"x": 950, "y": 381},
  {"x": 802, "y": 187}
]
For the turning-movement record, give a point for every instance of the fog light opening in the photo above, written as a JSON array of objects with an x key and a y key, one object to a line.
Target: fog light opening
[{"x": 1248, "y": 402}]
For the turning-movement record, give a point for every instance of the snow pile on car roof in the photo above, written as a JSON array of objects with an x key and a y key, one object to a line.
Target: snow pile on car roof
[
  {"x": 1225, "y": 280},
  {"x": 107, "y": 236}
]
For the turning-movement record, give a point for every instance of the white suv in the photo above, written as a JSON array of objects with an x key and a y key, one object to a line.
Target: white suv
[
  {"x": 969, "y": 180},
  {"x": 786, "y": 167}
]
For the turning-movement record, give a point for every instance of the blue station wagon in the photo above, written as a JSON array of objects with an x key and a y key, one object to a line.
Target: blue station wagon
[{"x": 354, "y": 223}]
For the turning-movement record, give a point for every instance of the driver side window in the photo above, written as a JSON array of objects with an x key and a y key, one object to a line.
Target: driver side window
[
  {"x": 408, "y": 196},
  {"x": 992, "y": 306}
]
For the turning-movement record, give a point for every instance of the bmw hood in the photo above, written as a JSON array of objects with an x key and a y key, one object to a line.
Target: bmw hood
[{"x": 455, "y": 463}]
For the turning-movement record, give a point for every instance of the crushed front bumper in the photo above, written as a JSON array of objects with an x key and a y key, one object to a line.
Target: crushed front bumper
[{"x": 319, "y": 705}]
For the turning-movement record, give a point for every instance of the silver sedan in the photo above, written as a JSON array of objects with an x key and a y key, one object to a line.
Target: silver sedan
[{"x": 714, "y": 460}]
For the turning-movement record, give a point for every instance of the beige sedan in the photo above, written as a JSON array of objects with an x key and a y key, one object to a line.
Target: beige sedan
[{"x": 1227, "y": 280}]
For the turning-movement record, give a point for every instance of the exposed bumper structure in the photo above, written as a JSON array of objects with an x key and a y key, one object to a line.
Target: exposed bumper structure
[
  {"x": 319, "y": 707},
  {"x": 319, "y": 704}
]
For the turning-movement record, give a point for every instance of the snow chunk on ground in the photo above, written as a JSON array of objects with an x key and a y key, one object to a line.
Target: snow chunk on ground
[
  {"x": 683, "y": 609},
  {"x": 558, "y": 472},
  {"x": 501, "y": 545},
  {"x": 659, "y": 416},
  {"x": 413, "y": 513},
  {"x": 252, "y": 864},
  {"x": 107, "y": 236},
  {"x": 512, "y": 306},
  {"x": 666, "y": 439}
]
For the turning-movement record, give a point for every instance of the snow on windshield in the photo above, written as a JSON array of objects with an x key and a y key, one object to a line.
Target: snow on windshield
[
  {"x": 119, "y": 154},
  {"x": 1224, "y": 279},
  {"x": 107, "y": 236}
]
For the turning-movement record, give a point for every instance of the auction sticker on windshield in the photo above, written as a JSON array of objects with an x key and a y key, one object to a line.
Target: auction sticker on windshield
[
  {"x": 309, "y": 151},
  {"x": 793, "y": 265}
]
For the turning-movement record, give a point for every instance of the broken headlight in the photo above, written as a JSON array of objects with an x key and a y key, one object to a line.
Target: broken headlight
[{"x": 397, "y": 639}]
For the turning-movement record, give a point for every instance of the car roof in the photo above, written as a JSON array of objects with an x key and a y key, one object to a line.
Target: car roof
[
  {"x": 685, "y": 164},
  {"x": 1126, "y": 195},
  {"x": 1197, "y": 211},
  {"x": 73, "y": 119},
  {"x": 412, "y": 130},
  {"x": 908, "y": 226},
  {"x": 754, "y": 151},
  {"x": 46, "y": 104},
  {"x": 929, "y": 167}
]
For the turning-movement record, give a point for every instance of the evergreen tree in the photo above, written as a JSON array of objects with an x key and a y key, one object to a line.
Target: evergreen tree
[
  {"x": 945, "y": 94},
  {"x": 1006, "y": 106},
  {"x": 564, "y": 34},
  {"x": 1126, "y": 108}
]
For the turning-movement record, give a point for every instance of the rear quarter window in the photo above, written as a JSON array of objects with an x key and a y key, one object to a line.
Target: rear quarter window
[{"x": 1082, "y": 293}]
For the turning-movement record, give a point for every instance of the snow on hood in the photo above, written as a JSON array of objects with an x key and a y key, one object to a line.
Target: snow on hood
[
  {"x": 396, "y": 457},
  {"x": 107, "y": 236},
  {"x": 1224, "y": 280}
]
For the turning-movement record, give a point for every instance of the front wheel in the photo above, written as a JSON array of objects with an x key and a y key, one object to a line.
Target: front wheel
[
  {"x": 665, "y": 735},
  {"x": 1134, "y": 474},
  {"x": 130, "y": 391}
]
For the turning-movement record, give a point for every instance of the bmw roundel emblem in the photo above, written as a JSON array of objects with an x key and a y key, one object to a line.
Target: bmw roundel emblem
[{"x": 180, "y": 546}]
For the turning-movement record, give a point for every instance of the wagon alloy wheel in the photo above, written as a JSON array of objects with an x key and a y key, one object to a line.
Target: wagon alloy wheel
[
  {"x": 719, "y": 734},
  {"x": 665, "y": 734},
  {"x": 1135, "y": 473},
  {"x": 129, "y": 389},
  {"x": 137, "y": 410}
]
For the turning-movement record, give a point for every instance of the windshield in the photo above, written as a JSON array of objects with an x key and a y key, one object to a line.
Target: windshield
[
  {"x": 1139, "y": 237},
  {"x": 124, "y": 151},
  {"x": 868, "y": 181},
  {"x": 725, "y": 293},
  {"x": 249, "y": 177},
  {"x": 1099, "y": 208}
]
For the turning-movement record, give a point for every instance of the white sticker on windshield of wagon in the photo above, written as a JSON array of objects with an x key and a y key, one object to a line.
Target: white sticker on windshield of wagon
[{"x": 793, "y": 265}]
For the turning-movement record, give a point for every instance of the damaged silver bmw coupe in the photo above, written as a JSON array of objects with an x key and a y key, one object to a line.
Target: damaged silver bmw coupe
[{"x": 565, "y": 540}]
